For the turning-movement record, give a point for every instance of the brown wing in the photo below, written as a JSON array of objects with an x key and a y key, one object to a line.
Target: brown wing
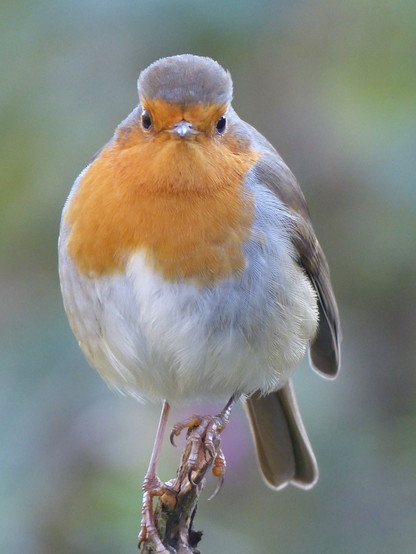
[{"x": 274, "y": 174}]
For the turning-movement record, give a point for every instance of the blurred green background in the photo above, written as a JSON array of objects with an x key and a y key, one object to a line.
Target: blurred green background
[{"x": 333, "y": 86}]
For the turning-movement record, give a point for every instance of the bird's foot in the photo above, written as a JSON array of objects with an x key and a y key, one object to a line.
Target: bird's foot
[
  {"x": 204, "y": 431},
  {"x": 152, "y": 486}
]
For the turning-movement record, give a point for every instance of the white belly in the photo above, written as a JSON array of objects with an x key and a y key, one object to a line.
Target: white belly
[{"x": 159, "y": 339}]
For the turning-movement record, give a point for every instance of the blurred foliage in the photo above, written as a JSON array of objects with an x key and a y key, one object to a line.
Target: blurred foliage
[{"x": 333, "y": 86}]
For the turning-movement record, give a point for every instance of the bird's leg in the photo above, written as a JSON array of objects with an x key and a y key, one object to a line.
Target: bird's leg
[
  {"x": 206, "y": 430},
  {"x": 153, "y": 486}
]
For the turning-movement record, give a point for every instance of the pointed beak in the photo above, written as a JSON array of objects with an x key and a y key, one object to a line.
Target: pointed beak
[{"x": 183, "y": 129}]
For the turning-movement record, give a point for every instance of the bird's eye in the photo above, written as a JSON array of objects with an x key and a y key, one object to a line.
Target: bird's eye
[
  {"x": 146, "y": 120},
  {"x": 221, "y": 125}
]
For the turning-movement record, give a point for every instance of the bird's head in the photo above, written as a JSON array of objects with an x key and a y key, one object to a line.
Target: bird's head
[{"x": 183, "y": 98}]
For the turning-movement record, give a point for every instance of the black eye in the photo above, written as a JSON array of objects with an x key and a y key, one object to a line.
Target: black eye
[
  {"x": 146, "y": 120},
  {"x": 221, "y": 125}
]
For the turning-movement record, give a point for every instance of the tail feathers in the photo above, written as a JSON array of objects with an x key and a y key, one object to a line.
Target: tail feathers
[{"x": 283, "y": 449}]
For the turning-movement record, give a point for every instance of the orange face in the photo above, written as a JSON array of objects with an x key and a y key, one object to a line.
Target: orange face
[
  {"x": 164, "y": 116},
  {"x": 178, "y": 200}
]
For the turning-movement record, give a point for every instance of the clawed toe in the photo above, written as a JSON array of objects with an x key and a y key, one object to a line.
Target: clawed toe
[
  {"x": 189, "y": 423},
  {"x": 152, "y": 486},
  {"x": 203, "y": 432},
  {"x": 218, "y": 470}
]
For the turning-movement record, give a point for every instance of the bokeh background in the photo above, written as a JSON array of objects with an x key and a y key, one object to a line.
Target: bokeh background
[{"x": 333, "y": 85}]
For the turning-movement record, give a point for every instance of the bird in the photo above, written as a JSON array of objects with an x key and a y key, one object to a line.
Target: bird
[{"x": 189, "y": 269}]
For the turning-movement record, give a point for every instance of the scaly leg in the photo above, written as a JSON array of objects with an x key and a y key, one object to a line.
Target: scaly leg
[{"x": 153, "y": 486}]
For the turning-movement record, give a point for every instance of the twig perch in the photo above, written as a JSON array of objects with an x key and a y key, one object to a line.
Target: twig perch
[{"x": 176, "y": 507}]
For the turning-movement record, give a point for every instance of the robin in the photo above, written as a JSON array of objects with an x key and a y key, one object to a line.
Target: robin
[{"x": 189, "y": 268}]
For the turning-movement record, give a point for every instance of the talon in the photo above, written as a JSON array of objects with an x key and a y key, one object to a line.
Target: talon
[
  {"x": 172, "y": 438},
  {"x": 142, "y": 536},
  {"x": 218, "y": 469},
  {"x": 189, "y": 424},
  {"x": 190, "y": 477},
  {"x": 193, "y": 482},
  {"x": 217, "y": 488}
]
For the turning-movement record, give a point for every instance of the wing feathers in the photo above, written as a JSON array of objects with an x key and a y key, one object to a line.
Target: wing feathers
[{"x": 272, "y": 172}]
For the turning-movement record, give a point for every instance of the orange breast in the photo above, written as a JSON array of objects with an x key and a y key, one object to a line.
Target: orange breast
[{"x": 180, "y": 202}]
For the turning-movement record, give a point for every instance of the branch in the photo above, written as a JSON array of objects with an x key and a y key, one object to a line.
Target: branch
[{"x": 176, "y": 507}]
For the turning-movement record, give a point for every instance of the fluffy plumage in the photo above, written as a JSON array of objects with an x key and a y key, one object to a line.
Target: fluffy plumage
[
  {"x": 186, "y": 80},
  {"x": 189, "y": 266}
]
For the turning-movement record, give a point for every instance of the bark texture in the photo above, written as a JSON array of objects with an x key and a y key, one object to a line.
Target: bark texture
[{"x": 176, "y": 507}]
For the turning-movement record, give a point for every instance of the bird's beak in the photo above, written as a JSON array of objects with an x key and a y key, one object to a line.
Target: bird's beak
[{"x": 183, "y": 129}]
